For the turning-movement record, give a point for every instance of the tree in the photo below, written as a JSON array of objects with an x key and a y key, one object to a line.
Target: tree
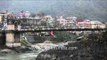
[{"x": 64, "y": 36}]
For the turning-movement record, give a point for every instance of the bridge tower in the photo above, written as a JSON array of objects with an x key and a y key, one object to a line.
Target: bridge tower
[{"x": 11, "y": 40}]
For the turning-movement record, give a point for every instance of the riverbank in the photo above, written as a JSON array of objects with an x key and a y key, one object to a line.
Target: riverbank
[{"x": 92, "y": 47}]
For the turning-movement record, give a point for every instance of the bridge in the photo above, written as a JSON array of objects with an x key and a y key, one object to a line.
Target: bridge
[
  {"x": 11, "y": 29},
  {"x": 48, "y": 30}
]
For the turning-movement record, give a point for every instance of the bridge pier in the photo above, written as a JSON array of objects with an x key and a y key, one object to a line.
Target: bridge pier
[{"x": 10, "y": 37}]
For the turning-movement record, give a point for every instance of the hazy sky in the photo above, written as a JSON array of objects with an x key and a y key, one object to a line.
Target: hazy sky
[{"x": 90, "y": 9}]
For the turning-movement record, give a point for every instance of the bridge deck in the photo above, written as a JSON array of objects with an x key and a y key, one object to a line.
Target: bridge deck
[{"x": 43, "y": 30}]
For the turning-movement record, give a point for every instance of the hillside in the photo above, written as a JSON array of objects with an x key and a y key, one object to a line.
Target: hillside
[{"x": 90, "y": 9}]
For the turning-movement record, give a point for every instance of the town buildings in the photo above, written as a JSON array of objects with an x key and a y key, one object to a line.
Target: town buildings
[{"x": 50, "y": 21}]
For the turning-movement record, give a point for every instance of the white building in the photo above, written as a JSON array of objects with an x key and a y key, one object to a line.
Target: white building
[
  {"x": 27, "y": 14},
  {"x": 62, "y": 21},
  {"x": 91, "y": 24},
  {"x": 68, "y": 22},
  {"x": 97, "y": 24},
  {"x": 71, "y": 21}
]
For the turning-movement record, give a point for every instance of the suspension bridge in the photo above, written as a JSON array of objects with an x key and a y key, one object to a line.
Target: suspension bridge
[{"x": 11, "y": 29}]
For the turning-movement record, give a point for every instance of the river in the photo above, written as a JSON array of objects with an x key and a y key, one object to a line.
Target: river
[
  {"x": 25, "y": 56},
  {"x": 19, "y": 56}
]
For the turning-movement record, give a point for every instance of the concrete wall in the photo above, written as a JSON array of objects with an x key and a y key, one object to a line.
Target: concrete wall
[
  {"x": 0, "y": 19},
  {"x": 9, "y": 37},
  {"x": 10, "y": 27}
]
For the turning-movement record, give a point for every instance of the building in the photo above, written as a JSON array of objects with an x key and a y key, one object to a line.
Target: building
[
  {"x": 27, "y": 14},
  {"x": 97, "y": 24},
  {"x": 62, "y": 21},
  {"x": 71, "y": 22},
  {"x": 84, "y": 24},
  {"x": 91, "y": 24}
]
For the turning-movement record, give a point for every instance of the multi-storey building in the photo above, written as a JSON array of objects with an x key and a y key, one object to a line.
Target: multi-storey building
[{"x": 91, "y": 24}]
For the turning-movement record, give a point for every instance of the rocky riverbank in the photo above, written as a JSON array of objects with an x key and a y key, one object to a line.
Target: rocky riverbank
[{"x": 92, "y": 47}]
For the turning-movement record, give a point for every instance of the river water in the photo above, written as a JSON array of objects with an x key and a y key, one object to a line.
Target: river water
[
  {"x": 21, "y": 56},
  {"x": 26, "y": 56}
]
